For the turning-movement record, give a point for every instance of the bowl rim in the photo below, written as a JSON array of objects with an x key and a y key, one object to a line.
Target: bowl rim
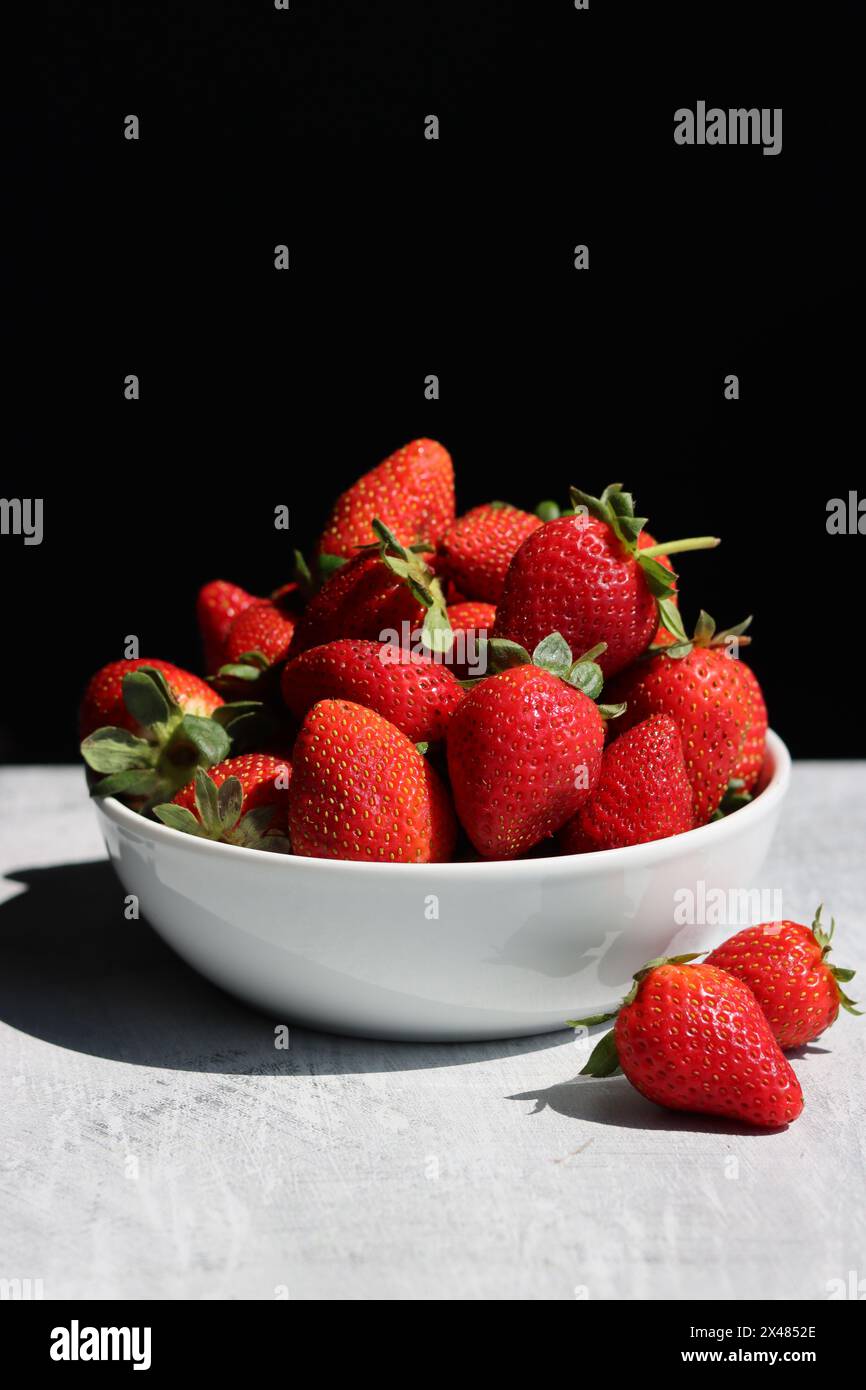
[{"x": 627, "y": 857}]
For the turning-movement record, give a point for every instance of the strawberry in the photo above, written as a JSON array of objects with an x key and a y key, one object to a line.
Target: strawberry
[
  {"x": 691, "y": 1037},
  {"x": 471, "y": 616},
  {"x": 785, "y": 966},
  {"x": 415, "y": 693},
  {"x": 218, "y": 603},
  {"x": 166, "y": 722},
  {"x": 103, "y": 700},
  {"x": 372, "y": 596},
  {"x": 476, "y": 551},
  {"x": 412, "y": 492},
  {"x": 524, "y": 746},
  {"x": 698, "y": 683},
  {"x": 643, "y": 792},
  {"x": 361, "y": 790},
  {"x": 595, "y": 577},
  {"x": 242, "y": 801},
  {"x": 264, "y": 626},
  {"x": 747, "y": 768},
  {"x": 471, "y": 624}
]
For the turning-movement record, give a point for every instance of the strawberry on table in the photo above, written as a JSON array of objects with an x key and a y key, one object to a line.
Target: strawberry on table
[
  {"x": 643, "y": 792},
  {"x": 414, "y": 692},
  {"x": 692, "y": 1037},
  {"x": 525, "y": 746},
  {"x": 785, "y": 966},
  {"x": 361, "y": 790},
  {"x": 242, "y": 801},
  {"x": 411, "y": 492},
  {"x": 217, "y": 605},
  {"x": 474, "y": 554},
  {"x": 595, "y": 577},
  {"x": 698, "y": 683}
]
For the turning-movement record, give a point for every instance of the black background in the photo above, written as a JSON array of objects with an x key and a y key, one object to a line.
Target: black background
[{"x": 411, "y": 257}]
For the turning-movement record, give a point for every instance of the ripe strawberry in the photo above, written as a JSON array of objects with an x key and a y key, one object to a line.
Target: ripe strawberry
[
  {"x": 412, "y": 492},
  {"x": 375, "y": 594},
  {"x": 166, "y": 723},
  {"x": 103, "y": 699},
  {"x": 594, "y": 577},
  {"x": 471, "y": 624},
  {"x": 415, "y": 693},
  {"x": 524, "y": 747},
  {"x": 747, "y": 768},
  {"x": 471, "y": 616},
  {"x": 476, "y": 551},
  {"x": 361, "y": 790},
  {"x": 643, "y": 792},
  {"x": 217, "y": 605},
  {"x": 242, "y": 801},
  {"x": 785, "y": 966},
  {"x": 697, "y": 683},
  {"x": 265, "y": 627},
  {"x": 691, "y": 1037}
]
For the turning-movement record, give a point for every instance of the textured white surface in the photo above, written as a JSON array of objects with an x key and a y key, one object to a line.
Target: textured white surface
[{"x": 154, "y": 1143}]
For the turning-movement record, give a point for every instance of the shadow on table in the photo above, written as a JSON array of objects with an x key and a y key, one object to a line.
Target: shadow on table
[
  {"x": 613, "y": 1101},
  {"x": 76, "y": 973}
]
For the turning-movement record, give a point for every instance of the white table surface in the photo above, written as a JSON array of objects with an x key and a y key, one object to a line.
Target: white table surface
[{"x": 154, "y": 1144}]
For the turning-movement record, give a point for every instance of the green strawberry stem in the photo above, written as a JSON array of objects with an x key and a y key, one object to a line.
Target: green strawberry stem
[
  {"x": 840, "y": 974},
  {"x": 677, "y": 547}
]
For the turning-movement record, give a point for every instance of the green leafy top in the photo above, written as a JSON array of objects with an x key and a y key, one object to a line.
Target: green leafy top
[
  {"x": 839, "y": 973},
  {"x": 174, "y": 743},
  {"x": 616, "y": 509},
  {"x": 704, "y": 635},
  {"x": 408, "y": 564},
  {"x": 219, "y": 817},
  {"x": 553, "y": 654}
]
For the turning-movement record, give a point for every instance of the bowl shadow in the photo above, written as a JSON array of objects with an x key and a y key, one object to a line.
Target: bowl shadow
[{"x": 78, "y": 974}]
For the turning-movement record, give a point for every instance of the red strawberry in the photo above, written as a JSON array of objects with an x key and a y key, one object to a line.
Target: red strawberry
[
  {"x": 643, "y": 792},
  {"x": 166, "y": 722},
  {"x": 594, "y": 577},
  {"x": 217, "y": 605},
  {"x": 265, "y": 627},
  {"x": 361, "y": 790},
  {"x": 471, "y": 624},
  {"x": 242, "y": 801},
  {"x": 524, "y": 748},
  {"x": 415, "y": 693},
  {"x": 691, "y": 1037},
  {"x": 785, "y": 966},
  {"x": 476, "y": 551},
  {"x": 373, "y": 595},
  {"x": 412, "y": 493},
  {"x": 103, "y": 701},
  {"x": 747, "y": 768},
  {"x": 471, "y": 616},
  {"x": 697, "y": 683}
]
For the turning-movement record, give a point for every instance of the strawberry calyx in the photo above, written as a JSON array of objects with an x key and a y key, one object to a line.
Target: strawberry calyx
[
  {"x": 408, "y": 564},
  {"x": 219, "y": 817},
  {"x": 604, "y": 1059},
  {"x": 308, "y": 582},
  {"x": 616, "y": 509},
  {"x": 823, "y": 938},
  {"x": 552, "y": 654},
  {"x": 161, "y": 761},
  {"x": 705, "y": 635},
  {"x": 734, "y": 798}
]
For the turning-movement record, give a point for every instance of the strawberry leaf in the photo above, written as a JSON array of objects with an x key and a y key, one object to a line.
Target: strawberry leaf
[
  {"x": 604, "y": 1059},
  {"x": 117, "y": 750}
]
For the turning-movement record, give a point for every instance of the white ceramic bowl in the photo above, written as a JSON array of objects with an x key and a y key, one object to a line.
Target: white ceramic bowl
[{"x": 437, "y": 951}]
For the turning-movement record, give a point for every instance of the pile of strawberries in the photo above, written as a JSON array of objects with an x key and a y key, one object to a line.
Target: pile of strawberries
[{"x": 427, "y": 687}]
